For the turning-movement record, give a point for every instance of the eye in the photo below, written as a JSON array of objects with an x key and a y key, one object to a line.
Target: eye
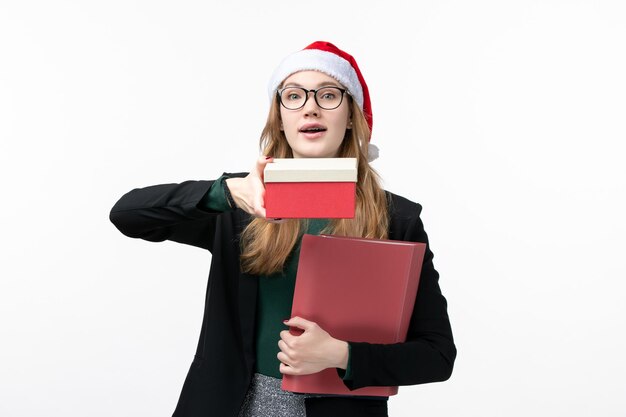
[
  {"x": 328, "y": 94},
  {"x": 292, "y": 94}
]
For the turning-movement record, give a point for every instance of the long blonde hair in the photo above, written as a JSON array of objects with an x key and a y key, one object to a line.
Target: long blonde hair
[{"x": 266, "y": 246}]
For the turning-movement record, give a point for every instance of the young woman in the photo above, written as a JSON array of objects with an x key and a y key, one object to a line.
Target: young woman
[{"x": 320, "y": 107}]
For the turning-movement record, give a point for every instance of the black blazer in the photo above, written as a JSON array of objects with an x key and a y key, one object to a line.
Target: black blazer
[{"x": 223, "y": 365}]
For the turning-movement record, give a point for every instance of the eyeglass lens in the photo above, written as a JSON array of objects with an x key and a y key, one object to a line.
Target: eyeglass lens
[{"x": 327, "y": 98}]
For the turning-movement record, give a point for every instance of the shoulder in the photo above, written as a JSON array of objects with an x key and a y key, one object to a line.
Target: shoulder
[
  {"x": 404, "y": 218},
  {"x": 402, "y": 207}
]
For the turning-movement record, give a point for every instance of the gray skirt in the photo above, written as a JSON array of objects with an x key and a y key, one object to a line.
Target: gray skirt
[{"x": 265, "y": 398}]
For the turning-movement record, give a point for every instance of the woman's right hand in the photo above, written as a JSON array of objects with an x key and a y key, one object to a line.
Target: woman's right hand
[{"x": 249, "y": 192}]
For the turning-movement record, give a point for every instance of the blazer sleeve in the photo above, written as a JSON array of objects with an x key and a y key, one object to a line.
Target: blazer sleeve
[
  {"x": 168, "y": 212},
  {"x": 428, "y": 353}
]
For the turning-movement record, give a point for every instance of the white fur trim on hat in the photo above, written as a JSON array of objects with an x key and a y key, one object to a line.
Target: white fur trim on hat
[
  {"x": 318, "y": 60},
  {"x": 373, "y": 152}
]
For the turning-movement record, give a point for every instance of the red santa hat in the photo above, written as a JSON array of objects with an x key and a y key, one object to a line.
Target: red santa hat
[{"x": 327, "y": 58}]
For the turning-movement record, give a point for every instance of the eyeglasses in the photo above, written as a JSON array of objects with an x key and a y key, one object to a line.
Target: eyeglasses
[{"x": 327, "y": 98}]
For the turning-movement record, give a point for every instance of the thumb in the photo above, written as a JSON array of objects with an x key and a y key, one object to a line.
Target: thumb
[{"x": 261, "y": 162}]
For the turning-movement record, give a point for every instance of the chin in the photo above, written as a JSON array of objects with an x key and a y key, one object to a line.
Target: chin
[
  {"x": 312, "y": 154},
  {"x": 315, "y": 155}
]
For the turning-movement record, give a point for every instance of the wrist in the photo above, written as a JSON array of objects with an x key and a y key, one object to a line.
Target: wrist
[
  {"x": 342, "y": 354},
  {"x": 231, "y": 190}
]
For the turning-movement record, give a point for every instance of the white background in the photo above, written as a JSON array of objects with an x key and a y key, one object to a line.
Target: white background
[{"x": 504, "y": 119}]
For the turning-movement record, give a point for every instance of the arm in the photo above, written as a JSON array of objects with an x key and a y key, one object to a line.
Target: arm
[
  {"x": 187, "y": 212},
  {"x": 177, "y": 212},
  {"x": 428, "y": 353}
]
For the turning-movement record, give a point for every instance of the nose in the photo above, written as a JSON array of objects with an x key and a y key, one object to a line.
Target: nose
[{"x": 311, "y": 107}]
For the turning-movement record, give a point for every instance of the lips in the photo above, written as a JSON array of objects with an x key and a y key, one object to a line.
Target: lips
[
  {"x": 312, "y": 131},
  {"x": 311, "y": 128}
]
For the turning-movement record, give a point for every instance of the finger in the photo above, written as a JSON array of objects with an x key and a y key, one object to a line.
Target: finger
[
  {"x": 287, "y": 370},
  {"x": 284, "y": 348},
  {"x": 284, "y": 334},
  {"x": 301, "y": 323},
  {"x": 277, "y": 221},
  {"x": 288, "y": 338},
  {"x": 284, "y": 358}
]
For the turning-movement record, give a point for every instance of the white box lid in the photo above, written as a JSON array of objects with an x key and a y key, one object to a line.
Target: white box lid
[{"x": 311, "y": 170}]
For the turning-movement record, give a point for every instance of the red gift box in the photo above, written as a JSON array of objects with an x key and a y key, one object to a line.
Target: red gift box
[{"x": 310, "y": 188}]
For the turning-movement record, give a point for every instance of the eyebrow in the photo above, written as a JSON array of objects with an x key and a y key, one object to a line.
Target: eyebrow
[{"x": 322, "y": 84}]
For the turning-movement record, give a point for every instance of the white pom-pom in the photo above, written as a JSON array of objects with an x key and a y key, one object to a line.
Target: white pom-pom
[{"x": 372, "y": 152}]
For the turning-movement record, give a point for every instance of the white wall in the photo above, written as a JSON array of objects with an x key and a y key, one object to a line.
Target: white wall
[{"x": 505, "y": 120}]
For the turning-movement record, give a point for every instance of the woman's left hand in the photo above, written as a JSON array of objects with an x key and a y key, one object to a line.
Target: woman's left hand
[{"x": 312, "y": 351}]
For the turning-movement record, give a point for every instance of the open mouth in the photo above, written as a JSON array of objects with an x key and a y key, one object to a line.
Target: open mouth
[{"x": 312, "y": 129}]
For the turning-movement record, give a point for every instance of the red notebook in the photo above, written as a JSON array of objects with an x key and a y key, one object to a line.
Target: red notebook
[{"x": 359, "y": 290}]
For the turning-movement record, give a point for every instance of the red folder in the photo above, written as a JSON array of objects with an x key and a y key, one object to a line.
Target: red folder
[{"x": 359, "y": 290}]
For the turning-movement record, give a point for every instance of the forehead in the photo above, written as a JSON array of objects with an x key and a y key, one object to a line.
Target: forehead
[{"x": 311, "y": 79}]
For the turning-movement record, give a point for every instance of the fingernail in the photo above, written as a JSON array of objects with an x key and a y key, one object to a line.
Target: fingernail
[{"x": 268, "y": 157}]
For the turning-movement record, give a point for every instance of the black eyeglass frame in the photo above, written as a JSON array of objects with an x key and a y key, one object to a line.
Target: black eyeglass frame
[{"x": 343, "y": 93}]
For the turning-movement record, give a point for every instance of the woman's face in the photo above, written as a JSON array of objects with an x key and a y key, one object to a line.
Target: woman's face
[{"x": 313, "y": 132}]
